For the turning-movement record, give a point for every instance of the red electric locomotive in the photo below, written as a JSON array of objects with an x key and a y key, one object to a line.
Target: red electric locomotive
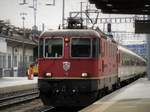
[
  {"x": 77, "y": 65},
  {"x": 74, "y": 66}
]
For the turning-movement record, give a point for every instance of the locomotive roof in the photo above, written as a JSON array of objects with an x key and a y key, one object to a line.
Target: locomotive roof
[
  {"x": 130, "y": 52},
  {"x": 71, "y": 32}
]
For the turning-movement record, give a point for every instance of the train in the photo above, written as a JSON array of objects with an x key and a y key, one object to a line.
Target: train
[{"x": 77, "y": 66}]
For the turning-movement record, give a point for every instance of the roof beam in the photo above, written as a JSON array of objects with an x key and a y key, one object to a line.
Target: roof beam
[{"x": 123, "y": 6}]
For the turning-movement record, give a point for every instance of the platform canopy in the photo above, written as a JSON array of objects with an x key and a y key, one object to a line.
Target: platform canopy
[{"x": 123, "y": 6}]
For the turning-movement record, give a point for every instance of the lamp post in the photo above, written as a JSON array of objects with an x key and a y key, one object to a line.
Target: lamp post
[
  {"x": 23, "y": 46},
  {"x": 63, "y": 13},
  {"x": 34, "y": 7},
  {"x": 23, "y": 14}
]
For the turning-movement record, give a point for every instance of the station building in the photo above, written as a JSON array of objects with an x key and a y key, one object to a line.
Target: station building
[{"x": 13, "y": 47}]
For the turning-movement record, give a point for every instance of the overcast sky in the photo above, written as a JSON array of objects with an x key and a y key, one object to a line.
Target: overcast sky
[{"x": 51, "y": 16}]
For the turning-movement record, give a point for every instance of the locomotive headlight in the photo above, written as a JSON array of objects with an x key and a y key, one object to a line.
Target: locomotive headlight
[
  {"x": 84, "y": 74},
  {"x": 48, "y": 74}
]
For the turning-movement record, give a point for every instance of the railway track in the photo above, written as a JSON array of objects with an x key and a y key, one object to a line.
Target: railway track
[
  {"x": 17, "y": 97},
  {"x": 60, "y": 109},
  {"x": 47, "y": 109}
]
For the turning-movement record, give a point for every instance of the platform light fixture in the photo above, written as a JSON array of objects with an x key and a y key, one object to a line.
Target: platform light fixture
[
  {"x": 147, "y": 5},
  {"x": 51, "y": 4},
  {"x": 114, "y": 10},
  {"x": 109, "y": 5},
  {"x": 145, "y": 10}
]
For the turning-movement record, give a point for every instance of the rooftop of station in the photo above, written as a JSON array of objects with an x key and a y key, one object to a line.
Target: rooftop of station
[{"x": 123, "y": 6}]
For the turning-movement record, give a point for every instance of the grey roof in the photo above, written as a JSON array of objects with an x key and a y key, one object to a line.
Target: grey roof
[
  {"x": 20, "y": 39},
  {"x": 71, "y": 32}
]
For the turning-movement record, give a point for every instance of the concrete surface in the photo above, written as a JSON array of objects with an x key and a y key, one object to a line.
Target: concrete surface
[
  {"x": 132, "y": 98},
  {"x": 12, "y": 84}
]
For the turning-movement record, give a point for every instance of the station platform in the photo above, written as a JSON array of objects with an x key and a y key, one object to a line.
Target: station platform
[
  {"x": 13, "y": 84},
  {"x": 134, "y": 97}
]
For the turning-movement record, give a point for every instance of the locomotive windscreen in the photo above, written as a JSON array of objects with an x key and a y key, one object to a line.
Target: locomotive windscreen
[
  {"x": 53, "y": 47},
  {"x": 84, "y": 47},
  {"x": 81, "y": 47}
]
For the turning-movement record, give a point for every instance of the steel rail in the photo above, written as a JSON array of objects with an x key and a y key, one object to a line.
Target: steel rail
[
  {"x": 46, "y": 109},
  {"x": 17, "y": 98}
]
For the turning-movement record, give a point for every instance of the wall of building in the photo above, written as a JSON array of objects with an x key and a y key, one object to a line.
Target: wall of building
[
  {"x": 3, "y": 45},
  {"x": 11, "y": 61}
]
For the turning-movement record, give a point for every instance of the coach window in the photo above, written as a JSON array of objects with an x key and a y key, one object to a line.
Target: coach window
[
  {"x": 81, "y": 47},
  {"x": 53, "y": 47}
]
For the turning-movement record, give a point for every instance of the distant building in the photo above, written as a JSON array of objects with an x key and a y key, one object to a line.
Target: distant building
[
  {"x": 135, "y": 42},
  {"x": 140, "y": 49}
]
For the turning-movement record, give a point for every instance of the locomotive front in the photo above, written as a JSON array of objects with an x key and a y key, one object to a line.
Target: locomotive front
[{"x": 68, "y": 67}]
